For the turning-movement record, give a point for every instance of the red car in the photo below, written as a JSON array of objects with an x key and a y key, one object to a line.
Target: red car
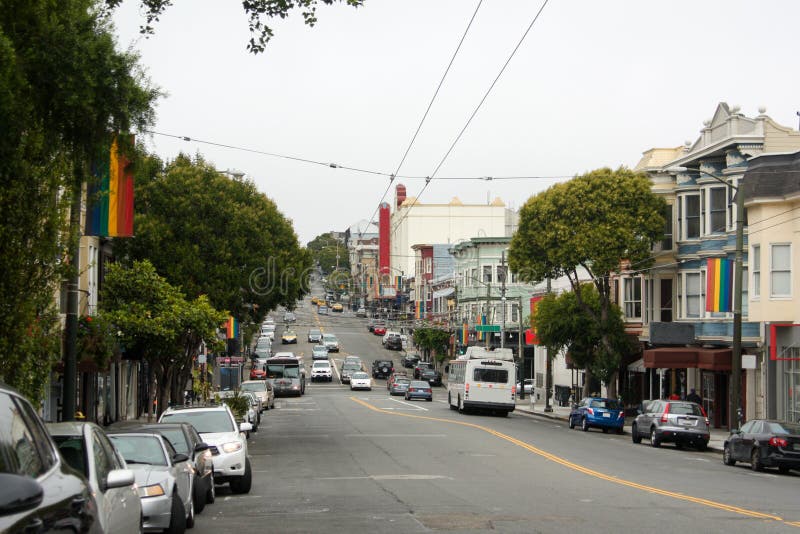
[
  {"x": 379, "y": 330},
  {"x": 258, "y": 374}
]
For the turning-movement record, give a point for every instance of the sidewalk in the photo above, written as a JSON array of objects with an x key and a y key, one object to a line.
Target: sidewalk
[{"x": 561, "y": 413}]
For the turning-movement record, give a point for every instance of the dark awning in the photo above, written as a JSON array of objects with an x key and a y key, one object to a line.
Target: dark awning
[{"x": 688, "y": 357}]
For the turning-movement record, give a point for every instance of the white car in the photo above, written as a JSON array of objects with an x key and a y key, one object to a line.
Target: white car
[
  {"x": 228, "y": 443},
  {"x": 322, "y": 370},
  {"x": 388, "y": 334},
  {"x": 360, "y": 380},
  {"x": 331, "y": 342},
  {"x": 262, "y": 389}
]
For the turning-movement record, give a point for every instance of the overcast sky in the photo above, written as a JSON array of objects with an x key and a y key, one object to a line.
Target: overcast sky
[{"x": 594, "y": 84}]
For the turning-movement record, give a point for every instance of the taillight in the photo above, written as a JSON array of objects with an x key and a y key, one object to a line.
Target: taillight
[
  {"x": 664, "y": 415},
  {"x": 702, "y": 410},
  {"x": 466, "y": 387},
  {"x": 778, "y": 442}
]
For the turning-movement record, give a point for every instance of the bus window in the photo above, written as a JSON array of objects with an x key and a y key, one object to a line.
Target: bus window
[{"x": 499, "y": 376}]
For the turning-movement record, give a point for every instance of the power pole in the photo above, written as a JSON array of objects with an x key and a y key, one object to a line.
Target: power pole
[
  {"x": 519, "y": 352},
  {"x": 69, "y": 391},
  {"x": 548, "y": 386},
  {"x": 486, "y": 314},
  {"x": 503, "y": 299},
  {"x": 735, "y": 404}
]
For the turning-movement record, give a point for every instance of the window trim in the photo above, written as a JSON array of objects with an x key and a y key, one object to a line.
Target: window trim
[
  {"x": 754, "y": 260},
  {"x": 628, "y": 282},
  {"x": 683, "y": 218},
  {"x": 772, "y": 271},
  {"x": 682, "y": 295}
]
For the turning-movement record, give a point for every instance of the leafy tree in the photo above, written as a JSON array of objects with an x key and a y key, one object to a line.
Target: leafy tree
[
  {"x": 216, "y": 236},
  {"x": 324, "y": 250},
  {"x": 591, "y": 223},
  {"x": 258, "y": 12},
  {"x": 432, "y": 340},
  {"x": 63, "y": 88}
]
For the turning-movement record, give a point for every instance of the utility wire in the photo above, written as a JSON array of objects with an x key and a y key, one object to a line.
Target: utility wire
[
  {"x": 472, "y": 116},
  {"x": 425, "y": 115}
]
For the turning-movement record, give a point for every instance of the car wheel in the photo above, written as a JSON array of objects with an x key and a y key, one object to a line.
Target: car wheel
[
  {"x": 177, "y": 520},
  {"x": 679, "y": 445},
  {"x": 701, "y": 445},
  {"x": 605, "y": 431},
  {"x": 727, "y": 455},
  {"x": 635, "y": 436},
  {"x": 211, "y": 494},
  {"x": 654, "y": 441},
  {"x": 755, "y": 461},
  {"x": 190, "y": 516},
  {"x": 584, "y": 425},
  {"x": 198, "y": 499},
  {"x": 450, "y": 402},
  {"x": 783, "y": 469},
  {"x": 460, "y": 405},
  {"x": 571, "y": 423},
  {"x": 430, "y": 399},
  {"x": 243, "y": 483},
  {"x": 620, "y": 431}
]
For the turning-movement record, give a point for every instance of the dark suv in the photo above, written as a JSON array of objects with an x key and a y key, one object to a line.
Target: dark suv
[
  {"x": 382, "y": 368},
  {"x": 394, "y": 342}
]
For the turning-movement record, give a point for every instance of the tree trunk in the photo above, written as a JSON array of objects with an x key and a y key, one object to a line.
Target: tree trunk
[
  {"x": 587, "y": 381},
  {"x": 612, "y": 385},
  {"x": 150, "y": 392}
]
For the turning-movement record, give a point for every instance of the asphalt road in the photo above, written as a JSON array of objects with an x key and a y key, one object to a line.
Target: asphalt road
[{"x": 341, "y": 461}]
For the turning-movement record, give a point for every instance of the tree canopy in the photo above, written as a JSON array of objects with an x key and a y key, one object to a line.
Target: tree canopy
[
  {"x": 324, "y": 250},
  {"x": 432, "y": 339},
  {"x": 258, "y": 12}
]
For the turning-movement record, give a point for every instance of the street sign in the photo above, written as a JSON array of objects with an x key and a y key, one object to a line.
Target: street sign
[{"x": 487, "y": 328}]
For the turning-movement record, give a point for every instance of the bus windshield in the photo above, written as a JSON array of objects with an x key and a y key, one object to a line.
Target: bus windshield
[{"x": 283, "y": 370}]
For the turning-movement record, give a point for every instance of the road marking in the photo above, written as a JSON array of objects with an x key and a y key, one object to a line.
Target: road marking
[
  {"x": 590, "y": 472},
  {"x": 390, "y": 477},
  {"x": 405, "y": 403},
  {"x": 395, "y": 435}
]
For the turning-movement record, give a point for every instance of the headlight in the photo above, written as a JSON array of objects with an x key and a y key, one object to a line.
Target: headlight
[
  {"x": 232, "y": 446},
  {"x": 151, "y": 491}
]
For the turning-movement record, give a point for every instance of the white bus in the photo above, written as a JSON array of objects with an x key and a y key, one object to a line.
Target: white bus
[{"x": 482, "y": 380}]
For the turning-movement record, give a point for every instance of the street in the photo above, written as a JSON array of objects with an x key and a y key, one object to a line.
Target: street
[{"x": 341, "y": 461}]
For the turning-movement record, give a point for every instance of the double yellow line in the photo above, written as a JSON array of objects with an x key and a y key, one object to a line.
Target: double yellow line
[{"x": 596, "y": 474}]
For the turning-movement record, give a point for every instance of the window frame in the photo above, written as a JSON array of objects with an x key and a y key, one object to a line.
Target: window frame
[
  {"x": 710, "y": 211},
  {"x": 684, "y": 217},
  {"x": 773, "y": 271},
  {"x": 755, "y": 261},
  {"x": 628, "y": 300},
  {"x": 684, "y": 297}
]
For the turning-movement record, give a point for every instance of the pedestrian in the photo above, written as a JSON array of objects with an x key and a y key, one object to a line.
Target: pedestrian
[
  {"x": 694, "y": 397},
  {"x": 674, "y": 396}
]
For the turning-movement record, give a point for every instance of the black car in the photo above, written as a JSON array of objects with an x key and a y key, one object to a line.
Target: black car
[
  {"x": 764, "y": 443},
  {"x": 410, "y": 360},
  {"x": 382, "y": 368},
  {"x": 431, "y": 376},
  {"x": 38, "y": 490},
  {"x": 421, "y": 366},
  {"x": 394, "y": 342}
]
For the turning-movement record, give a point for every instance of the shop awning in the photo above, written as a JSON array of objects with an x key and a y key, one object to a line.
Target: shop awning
[
  {"x": 637, "y": 366},
  {"x": 444, "y": 292},
  {"x": 688, "y": 357}
]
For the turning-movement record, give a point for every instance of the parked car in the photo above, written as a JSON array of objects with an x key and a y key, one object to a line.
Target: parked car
[
  {"x": 257, "y": 372},
  {"x": 186, "y": 440},
  {"x": 679, "y": 422},
  {"x": 163, "y": 476},
  {"x": 399, "y": 386},
  {"x": 314, "y": 335},
  {"x": 39, "y": 488},
  {"x": 418, "y": 368},
  {"x": 321, "y": 370},
  {"x": 331, "y": 342},
  {"x": 764, "y": 443},
  {"x": 410, "y": 360},
  {"x": 360, "y": 380},
  {"x": 87, "y": 449},
  {"x": 361, "y": 312},
  {"x": 528, "y": 382},
  {"x": 598, "y": 412},
  {"x": 255, "y": 408},
  {"x": 418, "y": 389},
  {"x": 288, "y": 337},
  {"x": 228, "y": 443},
  {"x": 382, "y": 368},
  {"x": 263, "y": 390},
  {"x": 319, "y": 352},
  {"x": 431, "y": 376}
]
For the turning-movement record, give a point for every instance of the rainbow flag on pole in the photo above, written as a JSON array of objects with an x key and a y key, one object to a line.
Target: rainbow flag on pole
[
  {"x": 110, "y": 196},
  {"x": 232, "y": 328},
  {"x": 719, "y": 285}
]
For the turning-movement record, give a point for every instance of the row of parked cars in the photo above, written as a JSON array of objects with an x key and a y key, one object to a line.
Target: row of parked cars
[{"x": 78, "y": 477}]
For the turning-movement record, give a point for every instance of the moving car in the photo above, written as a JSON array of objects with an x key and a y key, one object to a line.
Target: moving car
[
  {"x": 431, "y": 376},
  {"x": 227, "y": 441},
  {"x": 399, "y": 386},
  {"x": 394, "y": 342},
  {"x": 263, "y": 390},
  {"x": 289, "y": 337},
  {"x": 39, "y": 488},
  {"x": 323, "y": 310},
  {"x": 289, "y": 317},
  {"x": 331, "y": 342},
  {"x": 764, "y": 443},
  {"x": 382, "y": 368},
  {"x": 395, "y": 376},
  {"x": 337, "y": 307},
  {"x": 319, "y": 352},
  {"x": 361, "y": 312},
  {"x": 420, "y": 366},
  {"x": 314, "y": 335},
  {"x": 379, "y": 330},
  {"x": 321, "y": 370},
  {"x": 418, "y": 389},
  {"x": 598, "y": 412},
  {"x": 360, "y": 380},
  {"x": 348, "y": 369},
  {"x": 679, "y": 422},
  {"x": 163, "y": 476},
  {"x": 87, "y": 449}
]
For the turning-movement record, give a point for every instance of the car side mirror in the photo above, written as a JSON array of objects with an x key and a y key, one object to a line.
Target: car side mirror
[
  {"x": 179, "y": 457},
  {"x": 119, "y": 478},
  {"x": 19, "y": 493},
  {"x": 638, "y": 411},
  {"x": 736, "y": 431},
  {"x": 245, "y": 427},
  {"x": 200, "y": 447}
]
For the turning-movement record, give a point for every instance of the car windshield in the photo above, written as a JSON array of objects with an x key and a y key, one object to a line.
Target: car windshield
[
  {"x": 350, "y": 366},
  {"x": 685, "y": 408},
  {"x": 206, "y": 421},
  {"x": 283, "y": 371},
  {"x": 783, "y": 428},
  {"x": 329, "y": 337},
  {"x": 71, "y": 448},
  {"x": 177, "y": 438},
  {"x": 320, "y": 348},
  {"x": 255, "y": 386},
  {"x": 314, "y": 333},
  {"x": 360, "y": 375},
  {"x": 140, "y": 449},
  {"x": 609, "y": 404},
  {"x": 322, "y": 365},
  {"x": 421, "y": 385},
  {"x": 402, "y": 381}
]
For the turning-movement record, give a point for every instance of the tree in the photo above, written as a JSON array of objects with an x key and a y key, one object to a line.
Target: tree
[
  {"x": 328, "y": 252},
  {"x": 216, "y": 236},
  {"x": 257, "y": 10},
  {"x": 593, "y": 222},
  {"x": 562, "y": 324},
  {"x": 432, "y": 340},
  {"x": 63, "y": 89}
]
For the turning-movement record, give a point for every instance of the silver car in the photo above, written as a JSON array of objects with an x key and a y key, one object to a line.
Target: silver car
[
  {"x": 674, "y": 421},
  {"x": 87, "y": 449},
  {"x": 163, "y": 476}
]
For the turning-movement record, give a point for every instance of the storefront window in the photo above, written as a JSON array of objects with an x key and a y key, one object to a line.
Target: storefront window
[{"x": 791, "y": 399}]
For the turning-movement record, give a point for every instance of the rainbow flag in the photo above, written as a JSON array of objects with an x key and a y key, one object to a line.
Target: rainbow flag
[
  {"x": 110, "y": 196},
  {"x": 418, "y": 310},
  {"x": 483, "y": 322},
  {"x": 465, "y": 334},
  {"x": 398, "y": 282},
  {"x": 232, "y": 328},
  {"x": 719, "y": 285}
]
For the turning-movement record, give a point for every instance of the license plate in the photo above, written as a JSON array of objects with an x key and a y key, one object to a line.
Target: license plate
[
  {"x": 606, "y": 414},
  {"x": 689, "y": 422}
]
